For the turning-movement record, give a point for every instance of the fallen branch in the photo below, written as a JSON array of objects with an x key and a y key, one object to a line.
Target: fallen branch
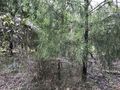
[
  {"x": 112, "y": 72},
  {"x": 63, "y": 60}
]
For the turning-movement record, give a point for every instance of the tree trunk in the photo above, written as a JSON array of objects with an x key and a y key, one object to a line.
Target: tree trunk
[
  {"x": 11, "y": 43},
  {"x": 116, "y": 5},
  {"x": 11, "y": 47},
  {"x": 59, "y": 75},
  {"x": 85, "y": 52},
  {"x": 59, "y": 70}
]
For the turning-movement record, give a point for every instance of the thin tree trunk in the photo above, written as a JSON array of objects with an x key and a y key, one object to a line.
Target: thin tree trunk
[
  {"x": 11, "y": 43},
  {"x": 116, "y": 5},
  {"x": 59, "y": 70},
  {"x": 11, "y": 48},
  {"x": 85, "y": 54},
  {"x": 59, "y": 75}
]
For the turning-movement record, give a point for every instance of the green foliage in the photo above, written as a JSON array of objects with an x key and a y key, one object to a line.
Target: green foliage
[
  {"x": 106, "y": 38},
  {"x": 58, "y": 28}
]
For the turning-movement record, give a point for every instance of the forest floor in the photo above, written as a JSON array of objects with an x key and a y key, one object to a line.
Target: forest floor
[{"x": 21, "y": 72}]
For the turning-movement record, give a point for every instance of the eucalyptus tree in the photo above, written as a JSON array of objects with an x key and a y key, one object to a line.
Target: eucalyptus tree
[
  {"x": 55, "y": 20},
  {"x": 85, "y": 52},
  {"x": 99, "y": 19},
  {"x": 105, "y": 32},
  {"x": 59, "y": 30}
]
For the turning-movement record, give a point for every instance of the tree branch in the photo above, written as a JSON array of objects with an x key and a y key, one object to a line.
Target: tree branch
[
  {"x": 112, "y": 72},
  {"x": 99, "y": 6}
]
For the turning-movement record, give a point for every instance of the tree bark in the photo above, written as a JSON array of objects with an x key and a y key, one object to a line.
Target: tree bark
[
  {"x": 59, "y": 75},
  {"x": 11, "y": 42},
  {"x": 116, "y": 5},
  {"x": 59, "y": 70},
  {"x": 85, "y": 52}
]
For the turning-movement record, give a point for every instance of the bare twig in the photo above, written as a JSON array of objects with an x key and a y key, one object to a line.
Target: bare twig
[
  {"x": 112, "y": 72},
  {"x": 98, "y": 6}
]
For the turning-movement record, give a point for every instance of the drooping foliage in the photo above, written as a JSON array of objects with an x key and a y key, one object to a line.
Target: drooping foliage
[
  {"x": 59, "y": 29},
  {"x": 105, "y": 35}
]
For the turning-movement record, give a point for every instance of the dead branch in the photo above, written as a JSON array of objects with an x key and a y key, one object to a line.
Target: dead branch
[{"x": 112, "y": 72}]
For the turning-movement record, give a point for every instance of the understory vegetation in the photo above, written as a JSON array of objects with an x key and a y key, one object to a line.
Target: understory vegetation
[{"x": 59, "y": 45}]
